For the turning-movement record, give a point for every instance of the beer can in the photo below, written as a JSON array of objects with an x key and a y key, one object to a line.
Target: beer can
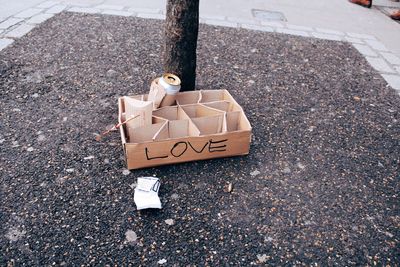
[{"x": 171, "y": 83}]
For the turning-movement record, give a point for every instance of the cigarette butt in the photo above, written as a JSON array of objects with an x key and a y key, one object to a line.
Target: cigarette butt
[{"x": 98, "y": 137}]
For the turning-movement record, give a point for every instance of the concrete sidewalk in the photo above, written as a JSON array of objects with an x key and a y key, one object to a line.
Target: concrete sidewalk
[{"x": 336, "y": 15}]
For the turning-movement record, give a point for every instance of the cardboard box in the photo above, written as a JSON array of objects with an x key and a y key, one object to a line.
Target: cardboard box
[{"x": 202, "y": 125}]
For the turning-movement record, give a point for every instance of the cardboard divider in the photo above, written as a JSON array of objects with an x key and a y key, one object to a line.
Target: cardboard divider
[
  {"x": 206, "y": 119},
  {"x": 156, "y": 120},
  {"x": 139, "y": 108},
  {"x": 179, "y": 123},
  {"x": 148, "y": 133},
  {"x": 232, "y": 121},
  {"x": 208, "y": 96},
  {"x": 157, "y": 93},
  {"x": 185, "y": 98},
  {"x": 200, "y": 110},
  {"x": 163, "y": 132},
  {"x": 220, "y": 105},
  {"x": 140, "y": 97},
  {"x": 121, "y": 118},
  {"x": 211, "y": 95},
  {"x": 209, "y": 125},
  {"x": 178, "y": 128},
  {"x": 170, "y": 113}
]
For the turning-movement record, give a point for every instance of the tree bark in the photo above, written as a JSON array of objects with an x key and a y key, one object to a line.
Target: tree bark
[{"x": 181, "y": 30}]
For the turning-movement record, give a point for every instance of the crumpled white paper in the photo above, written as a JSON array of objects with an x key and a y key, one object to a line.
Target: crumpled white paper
[{"x": 146, "y": 193}]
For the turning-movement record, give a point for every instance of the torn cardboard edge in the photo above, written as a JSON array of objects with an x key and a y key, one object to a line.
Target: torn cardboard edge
[{"x": 204, "y": 124}]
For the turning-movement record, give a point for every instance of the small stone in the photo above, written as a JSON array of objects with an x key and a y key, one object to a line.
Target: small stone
[
  {"x": 126, "y": 172},
  {"x": 356, "y": 98},
  {"x": 106, "y": 161},
  {"x": 14, "y": 234},
  {"x": 65, "y": 119},
  {"x": 133, "y": 186},
  {"x": 35, "y": 95},
  {"x": 111, "y": 73},
  {"x": 34, "y": 78},
  {"x": 39, "y": 132},
  {"x": 161, "y": 262},
  {"x": 89, "y": 157},
  {"x": 174, "y": 196},
  {"x": 15, "y": 143},
  {"x": 130, "y": 236},
  {"x": 70, "y": 170},
  {"x": 300, "y": 166},
  {"x": 388, "y": 234},
  {"x": 41, "y": 138},
  {"x": 286, "y": 170},
  {"x": 30, "y": 149},
  {"x": 262, "y": 258},
  {"x": 255, "y": 173},
  {"x": 16, "y": 110},
  {"x": 228, "y": 187},
  {"x": 253, "y": 50},
  {"x": 169, "y": 221},
  {"x": 269, "y": 239},
  {"x": 2, "y": 141}
]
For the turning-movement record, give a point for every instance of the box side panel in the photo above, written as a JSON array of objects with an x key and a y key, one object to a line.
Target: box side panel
[
  {"x": 121, "y": 109},
  {"x": 187, "y": 149}
]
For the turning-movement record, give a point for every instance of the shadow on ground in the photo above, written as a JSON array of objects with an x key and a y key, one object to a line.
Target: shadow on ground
[{"x": 319, "y": 186}]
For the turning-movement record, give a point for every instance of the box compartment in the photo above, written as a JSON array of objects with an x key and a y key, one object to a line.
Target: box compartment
[{"x": 185, "y": 98}]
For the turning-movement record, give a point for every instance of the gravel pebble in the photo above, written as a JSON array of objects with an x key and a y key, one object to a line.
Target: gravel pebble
[
  {"x": 169, "y": 221},
  {"x": 255, "y": 173},
  {"x": 111, "y": 73},
  {"x": 41, "y": 138},
  {"x": 262, "y": 258},
  {"x": 130, "y": 236},
  {"x": 162, "y": 261}
]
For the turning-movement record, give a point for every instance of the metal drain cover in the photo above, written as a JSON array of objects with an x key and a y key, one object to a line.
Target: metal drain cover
[{"x": 268, "y": 15}]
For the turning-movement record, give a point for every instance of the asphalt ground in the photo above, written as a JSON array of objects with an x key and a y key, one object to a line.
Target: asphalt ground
[{"x": 320, "y": 185}]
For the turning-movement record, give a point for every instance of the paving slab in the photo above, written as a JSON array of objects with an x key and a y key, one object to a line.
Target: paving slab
[{"x": 320, "y": 185}]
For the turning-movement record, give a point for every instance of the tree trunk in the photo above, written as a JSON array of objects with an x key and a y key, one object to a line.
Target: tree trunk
[{"x": 181, "y": 29}]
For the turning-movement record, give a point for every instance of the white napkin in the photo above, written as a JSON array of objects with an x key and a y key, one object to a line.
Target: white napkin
[{"x": 146, "y": 193}]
